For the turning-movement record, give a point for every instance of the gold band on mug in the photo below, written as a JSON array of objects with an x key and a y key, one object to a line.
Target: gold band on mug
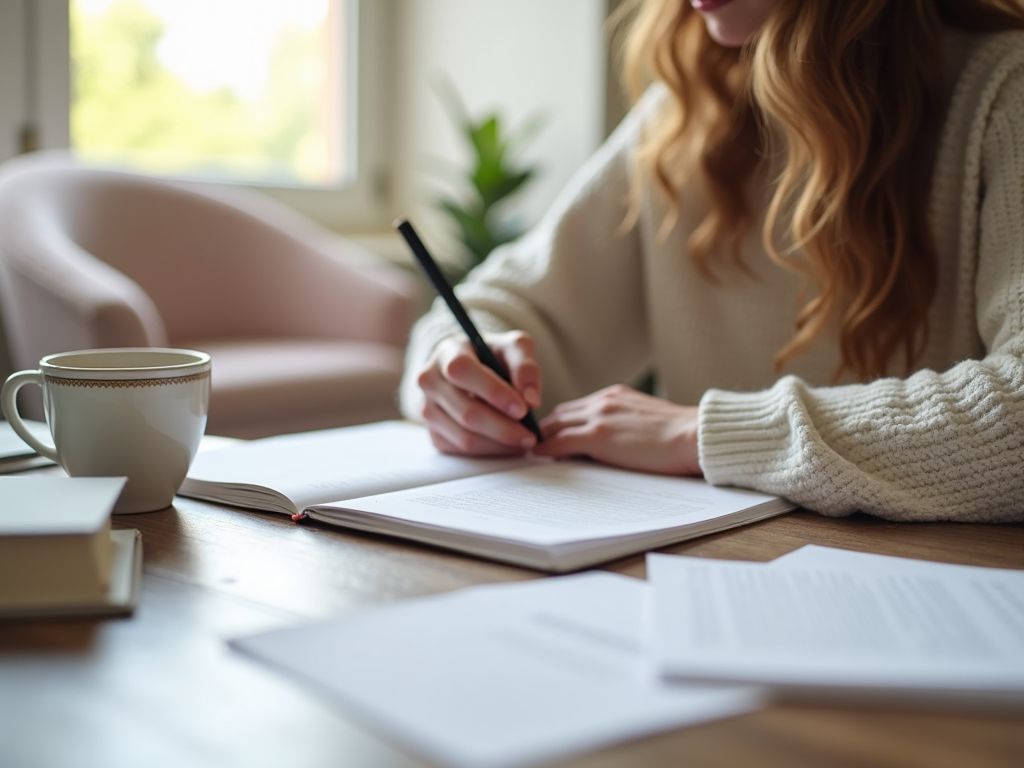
[{"x": 125, "y": 383}]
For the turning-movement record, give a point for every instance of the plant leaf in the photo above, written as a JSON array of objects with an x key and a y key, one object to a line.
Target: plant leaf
[{"x": 493, "y": 176}]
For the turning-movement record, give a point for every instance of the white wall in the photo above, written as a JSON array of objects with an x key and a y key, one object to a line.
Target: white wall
[
  {"x": 53, "y": 104},
  {"x": 516, "y": 57},
  {"x": 42, "y": 98},
  {"x": 12, "y": 77}
]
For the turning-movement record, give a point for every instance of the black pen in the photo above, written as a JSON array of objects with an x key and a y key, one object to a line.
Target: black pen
[{"x": 437, "y": 279}]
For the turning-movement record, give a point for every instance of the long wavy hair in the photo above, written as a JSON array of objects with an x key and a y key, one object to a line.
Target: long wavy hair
[{"x": 849, "y": 95}]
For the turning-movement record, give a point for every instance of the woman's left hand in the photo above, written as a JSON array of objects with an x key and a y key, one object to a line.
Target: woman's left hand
[{"x": 618, "y": 425}]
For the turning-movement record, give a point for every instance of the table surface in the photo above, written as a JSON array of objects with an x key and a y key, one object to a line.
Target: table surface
[{"x": 162, "y": 687}]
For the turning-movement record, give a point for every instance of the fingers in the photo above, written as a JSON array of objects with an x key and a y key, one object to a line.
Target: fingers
[
  {"x": 518, "y": 352},
  {"x": 473, "y": 426},
  {"x": 590, "y": 415},
  {"x": 572, "y": 429},
  {"x": 621, "y": 426},
  {"x": 459, "y": 367},
  {"x": 450, "y": 437},
  {"x": 569, "y": 443},
  {"x": 469, "y": 408}
]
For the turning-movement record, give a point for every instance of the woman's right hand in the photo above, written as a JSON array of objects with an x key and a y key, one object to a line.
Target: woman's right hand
[{"x": 468, "y": 408}]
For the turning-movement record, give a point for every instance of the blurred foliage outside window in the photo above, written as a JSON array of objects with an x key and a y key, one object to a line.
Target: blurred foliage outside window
[{"x": 226, "y": 89}]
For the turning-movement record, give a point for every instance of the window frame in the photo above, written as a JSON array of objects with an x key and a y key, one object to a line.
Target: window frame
[{"x": 35, "y": 90}]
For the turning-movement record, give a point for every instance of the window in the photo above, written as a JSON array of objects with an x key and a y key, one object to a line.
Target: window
[
  {"x": 156, "y": 86},
  {"x": 270, "y": 93}
]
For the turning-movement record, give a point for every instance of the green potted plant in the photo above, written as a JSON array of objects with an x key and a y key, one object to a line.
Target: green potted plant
[{"x": 482, "y": 220}]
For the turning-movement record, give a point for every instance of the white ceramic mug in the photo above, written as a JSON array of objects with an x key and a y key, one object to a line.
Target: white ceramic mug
[{"x": 132, "y": 412}]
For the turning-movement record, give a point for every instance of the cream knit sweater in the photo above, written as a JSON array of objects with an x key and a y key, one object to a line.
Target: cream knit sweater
[{"x": 946, "y": 443}]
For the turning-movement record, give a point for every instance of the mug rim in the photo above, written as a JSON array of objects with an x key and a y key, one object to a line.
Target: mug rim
[{"x": 50, "y": 365}]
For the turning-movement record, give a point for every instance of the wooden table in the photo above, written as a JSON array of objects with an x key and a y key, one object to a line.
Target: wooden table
[{"x": 163, "y": 689}]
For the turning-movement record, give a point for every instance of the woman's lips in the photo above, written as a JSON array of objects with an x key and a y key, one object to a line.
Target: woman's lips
[{"x": 706, "y": 6}]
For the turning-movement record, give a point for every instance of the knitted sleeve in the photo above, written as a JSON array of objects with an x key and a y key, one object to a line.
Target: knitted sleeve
[
  {"x": 936, "y": 445},
  {"x": 574, "y": 282}
]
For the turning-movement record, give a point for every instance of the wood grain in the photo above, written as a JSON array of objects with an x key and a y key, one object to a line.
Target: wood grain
[{"x": 162, "y": 688}]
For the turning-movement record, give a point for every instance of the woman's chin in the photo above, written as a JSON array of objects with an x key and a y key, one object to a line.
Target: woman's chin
[{"x": 726, "y": 36}]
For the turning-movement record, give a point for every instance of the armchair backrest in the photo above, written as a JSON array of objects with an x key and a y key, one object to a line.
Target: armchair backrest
[{"x": 86, "y": 248}]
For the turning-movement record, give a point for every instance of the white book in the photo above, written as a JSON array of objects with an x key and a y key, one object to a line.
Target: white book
[
  {"x": 58, "y": 556},
  {"x": 388, "y": 478},
  {"x": 833, "y": 624},
  {"x": 500, "y": 676}
]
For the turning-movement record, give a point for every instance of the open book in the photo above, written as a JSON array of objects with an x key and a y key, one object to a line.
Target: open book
[{"x": 388, "y": 478}]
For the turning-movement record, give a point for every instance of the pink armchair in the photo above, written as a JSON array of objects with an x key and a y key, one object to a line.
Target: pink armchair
[{"x": 305, "y": 329}]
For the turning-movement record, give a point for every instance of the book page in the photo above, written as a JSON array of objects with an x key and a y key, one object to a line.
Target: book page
[
  {"x": 315, "y": 467},
  {"x": 900, "y": 626},
  {"x": 500, "y": 676},
  {"x": 559, "y": 502}
]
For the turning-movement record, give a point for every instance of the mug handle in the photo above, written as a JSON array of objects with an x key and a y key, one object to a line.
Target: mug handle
[{"x": 9, "y": 405}]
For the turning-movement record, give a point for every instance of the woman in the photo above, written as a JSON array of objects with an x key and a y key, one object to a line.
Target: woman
[{"x": 811, "y": 228}]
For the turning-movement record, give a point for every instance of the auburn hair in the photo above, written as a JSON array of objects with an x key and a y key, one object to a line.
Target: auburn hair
[{"x": 851, "y": 94}]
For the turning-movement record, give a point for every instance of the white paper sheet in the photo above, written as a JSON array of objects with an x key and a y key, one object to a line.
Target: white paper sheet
[
  {"x": 861, "y": 622},
  {"x": 499, "y": 676},
  {"x": 11, "y": 444},
  {"x": 815, "y": 555},
  {"x": 15, "y": 455}
]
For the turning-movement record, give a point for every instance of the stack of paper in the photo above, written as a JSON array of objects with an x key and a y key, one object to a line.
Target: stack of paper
[
  {"x": 828, "y": 623},
  {"x": 502, "y": 675},
  {"x": 513, "y": 675}
]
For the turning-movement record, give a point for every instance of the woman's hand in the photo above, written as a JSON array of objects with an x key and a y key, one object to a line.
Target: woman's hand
[
  {"x": 468, "y": 408},
  {"x": 618, "y": 425}
]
